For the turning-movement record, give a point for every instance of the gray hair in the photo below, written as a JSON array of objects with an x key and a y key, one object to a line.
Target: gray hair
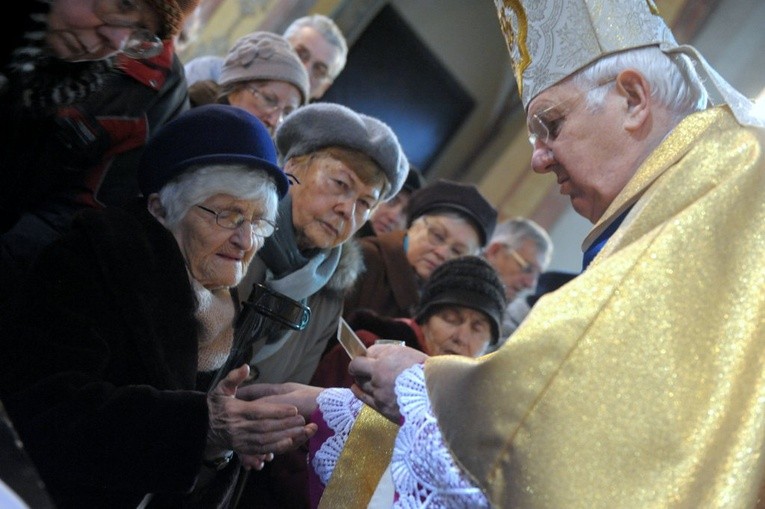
[
  {"x": 331, "y": 33},
  {"x": 198, "y": 183},
  {"x": 673, "y": 78},
  {"x": 513, "y": 232}
]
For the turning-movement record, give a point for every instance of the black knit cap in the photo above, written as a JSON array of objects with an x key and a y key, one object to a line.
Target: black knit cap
[
  {"x": 468, "y": 281},
  {"x": 464, "y": 199},
  {"x": 414, "y": 179}
]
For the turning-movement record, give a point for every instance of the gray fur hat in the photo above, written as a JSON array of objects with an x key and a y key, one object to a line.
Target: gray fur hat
[
  {"x": 264, "y": 56},
  {"x": 321, "y": 125}
]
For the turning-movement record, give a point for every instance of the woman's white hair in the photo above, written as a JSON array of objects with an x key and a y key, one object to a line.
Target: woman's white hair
[
  {"x": 199, "y": 183},
  {"x": 673, "y": 79}
]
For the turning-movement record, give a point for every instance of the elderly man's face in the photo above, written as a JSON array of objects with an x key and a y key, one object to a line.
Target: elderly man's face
[
  {"x": 457, "y": 330},
  {"x": 318, "y": 56},
  {"x": 517, "y": 267},
  {"x": 585, "y": 148},
  {"x": 218, "y": 257},
  {"x": 330, "y": 203},
  {"x": 435, "y": 239}
]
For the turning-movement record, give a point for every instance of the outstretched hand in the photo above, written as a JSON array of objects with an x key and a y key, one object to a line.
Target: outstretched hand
[
  {"x": 376, "y": 374},
  {"x": 300, "y": 395},
  {"x": 252, "y": 428}
]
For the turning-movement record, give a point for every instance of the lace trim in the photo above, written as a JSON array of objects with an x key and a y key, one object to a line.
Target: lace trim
[
  {"x": 424, "y": 473},
  {"x": 339, "y": 408}
]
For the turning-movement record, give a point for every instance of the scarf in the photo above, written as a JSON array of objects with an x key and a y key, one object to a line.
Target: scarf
[
  {"x": 39, "y": 81},
  {"x": 296, "y": 274}
]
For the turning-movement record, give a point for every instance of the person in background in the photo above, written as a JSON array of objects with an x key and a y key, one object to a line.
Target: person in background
[
  {"x": 391, "y": 215},
  {"x": 112, "y": 345},
  {"x": 520, "y": 250},
  {"x": 84, "y": 85},
  {"x": 203, "y": 68},
  {"x": 460, "y": 312},
  {"x": 261, "y": 74},
  {"x": 318, "y": 42},
  {"x": 446, "y": 220},
  {"x": 321, "y": 47},
  {"x": 639, "y": 382}
]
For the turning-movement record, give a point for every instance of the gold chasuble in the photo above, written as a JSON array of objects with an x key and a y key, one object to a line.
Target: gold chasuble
[{"x": 641, "y": 383}]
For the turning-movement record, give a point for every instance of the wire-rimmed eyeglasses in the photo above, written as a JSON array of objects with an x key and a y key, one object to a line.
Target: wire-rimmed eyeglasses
[
  {"x": 270, "y": 103},
  {"x": 437, "y": 236},
  {"x": 142, "y": 43},
  {"x": 231, "y": 220},
  {"x": 545, "y": 127},
  {"x": 526, "y": 267}
]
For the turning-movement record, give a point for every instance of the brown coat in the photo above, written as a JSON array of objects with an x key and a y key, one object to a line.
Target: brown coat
[{"x": 389, "y": 285}]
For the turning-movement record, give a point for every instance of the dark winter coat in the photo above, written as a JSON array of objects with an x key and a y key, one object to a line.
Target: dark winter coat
[
  {"x": 389, "y": 285},
  {"x": 99, "y": 363},
  {"x": 77, "y": 144}
]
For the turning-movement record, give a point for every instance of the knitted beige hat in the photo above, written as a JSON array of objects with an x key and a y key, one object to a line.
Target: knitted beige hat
[
  {"x": 264, "y": 56},
  {"x": 550, "y": 40}
]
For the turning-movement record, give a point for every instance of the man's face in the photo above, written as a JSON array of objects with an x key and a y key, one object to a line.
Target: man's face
[
  {"x": 318, "y": 56},
  {"x": 584, "y": 147},
  {"x": 389, "y": 216},
  {"x": 517, "y": 268},
  {"x": 330, "y": 203}
]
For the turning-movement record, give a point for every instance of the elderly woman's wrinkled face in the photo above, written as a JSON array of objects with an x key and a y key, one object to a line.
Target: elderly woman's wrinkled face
[
  {"x": 218, "y": 257},
  {"x": 330, "y": 203},
  {"x": 436, "y": 239},
  {"x": 457, "y": 330},
  {"x": 96, "y": 29},
  {"x": 269, "y": 100}
]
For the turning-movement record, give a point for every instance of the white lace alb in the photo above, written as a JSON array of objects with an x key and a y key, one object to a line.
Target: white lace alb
[{"x": 423, "y": 471}]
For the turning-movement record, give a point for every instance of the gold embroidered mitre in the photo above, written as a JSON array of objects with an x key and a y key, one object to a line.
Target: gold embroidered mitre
[{"x": 549, "y": 40}]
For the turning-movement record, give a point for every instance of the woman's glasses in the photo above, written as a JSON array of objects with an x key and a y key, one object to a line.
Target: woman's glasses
[{"x": 231, "y": 220}]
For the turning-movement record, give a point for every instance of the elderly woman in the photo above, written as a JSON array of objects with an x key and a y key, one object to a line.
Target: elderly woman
[
  {"x": 460, "y": 312},
  {"x": 261, "y": 74},
  {"x": 85, "y": 84},
  {"x": 446, "y": 220},
  {"x": 109, "y": 349}
]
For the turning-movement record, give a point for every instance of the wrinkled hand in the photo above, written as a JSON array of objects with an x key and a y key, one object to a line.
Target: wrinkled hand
[
  {"x": 252, "y": 428},
  {"x": 376, "y": 375},
  {"x": 300, "y": 395}
]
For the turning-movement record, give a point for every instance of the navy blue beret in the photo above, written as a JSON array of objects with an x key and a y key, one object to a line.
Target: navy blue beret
[{"x": 210, "y": 134}]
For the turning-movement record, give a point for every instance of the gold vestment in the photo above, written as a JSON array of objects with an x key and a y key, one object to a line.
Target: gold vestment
[{"x": 641, "y": 383}]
